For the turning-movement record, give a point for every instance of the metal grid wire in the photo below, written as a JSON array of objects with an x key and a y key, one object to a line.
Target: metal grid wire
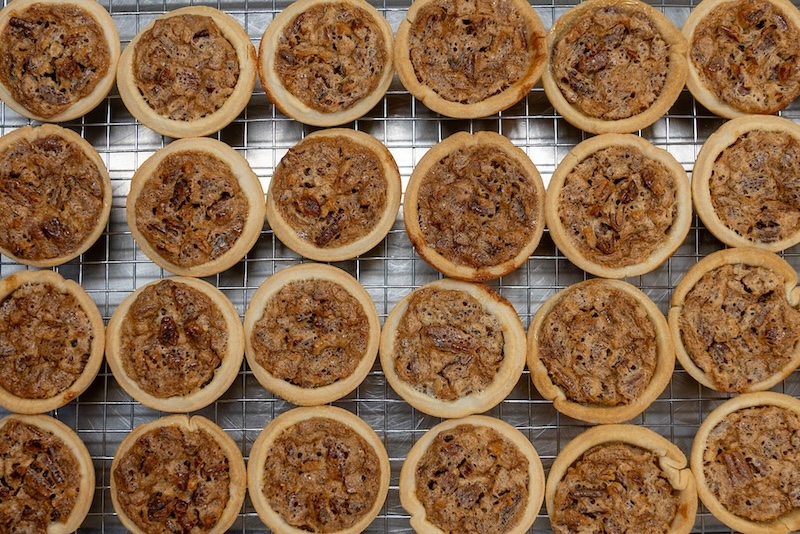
[{"x": 114, "y": 267}]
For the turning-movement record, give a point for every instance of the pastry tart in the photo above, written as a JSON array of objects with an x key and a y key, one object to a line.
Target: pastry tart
[
  {"x": 743, "y": 55},
  {"x": 474, "y": 474},
  {"x": 175, "y": 344},
  {"x": 746, "y": 460},
  {"x": 600, "y": 350},
  {"x": 614, "y": 66},
  {"x": 52, "y": 337},
  {"x": 59, "y": 58},
  {"x": 474, "y": 206},
  {"x": 452, "y": 348},
  {"x": 334, "y": 195},
  {"x": 621, "y": 478},
  {"x": 469, "y": 59},
  {"x": 49, "y": 478},
  {"x": 189, "y": 73},
  {"x": 311, "y": 334},
  {"x": 326, "y": 62},
  {"x": 195, "y": 207},
  {"x": 744, "y": 185},
  {"x": 618, "y": 206},
  {"x": 319, "y": 469},
  {"x": 178, "y": 472},
  {"x": 735, "y": 320},
  {"x": 55, "y": 195}
]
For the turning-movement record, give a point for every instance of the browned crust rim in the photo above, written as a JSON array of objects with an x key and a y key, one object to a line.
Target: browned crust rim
[
  {"x": 293, "y": 107},
  {"x": 235, "y": 103},
  {"x": 507, "y": 375},
  {"x": 255, "y": 311},
  {"x": 677, "y": 233},
  {"x": 248, "y": 181},
  {"x": 261, "y": 447},
  {"x": 408, "y": 478},
  {"x": 104, "y": 85},
  {"x": 783, "y": 525},
  {"x": 671, "y": 460},
  {"x": 717, "y": 142},
  {"x": 32, "y": 133},
  {"x": 461, "y": 140},
  {"x": 289, "y": 236},
  {"x": 238, "y": 476},
  {"x": 493, "y": 104},
  {"x": 673, "y": 85},
  {"x": 665, "y": 363},
  {"x": 754, "y": 257},
  {"x": 224, "y": 375}
]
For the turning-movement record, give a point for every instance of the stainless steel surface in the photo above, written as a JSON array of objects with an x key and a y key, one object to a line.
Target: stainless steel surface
[{"x": 114, "y": 267}]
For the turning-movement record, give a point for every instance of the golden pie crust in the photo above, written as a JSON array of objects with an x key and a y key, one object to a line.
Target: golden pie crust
[
  {"x": 743, "y": 182},
  {"x": 606, "y": 85},
  {"x": 474, "y": 206},
  {"x": 740, "y": 466},
  {"x": 187, "y": 225},
  {"x": 82, "y": 57},
  {"x": 179, "y": 474},
  {"x": 471, "y": 474},
  {"x": 36, "y": 478},
  {"x": 55, "y": 193},
  {"x": 72, "y": 339},
  {"x": 612, "y": 356},
  {"x": 742, "y": 55},
  {"x": 470, "y": 59},
  {"x": 617, "y": 206},
  {"x": 453, "y": 348},
  {"x": 175, "y": 345},
  {"x": 735, "y": 320},
  {"x": 338, "y": 54},
  {"x": 334, "y": 195},
  {"x": 311, "y": 334},
  {"x": 648, "y": 466},
  {"x": 349, "y": 456},
  {"x": 214, "y": 27}
]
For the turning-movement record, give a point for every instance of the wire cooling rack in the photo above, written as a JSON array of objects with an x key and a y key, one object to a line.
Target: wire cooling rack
[{"x": 114, "y": 267}]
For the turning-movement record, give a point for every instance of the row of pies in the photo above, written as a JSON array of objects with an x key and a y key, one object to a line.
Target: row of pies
[
  {"x": 605, "y": 66},
  {"x": 324, "y": 469}
]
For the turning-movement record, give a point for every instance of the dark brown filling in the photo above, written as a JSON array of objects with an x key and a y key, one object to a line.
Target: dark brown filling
[{"x": 53, "y": 56}]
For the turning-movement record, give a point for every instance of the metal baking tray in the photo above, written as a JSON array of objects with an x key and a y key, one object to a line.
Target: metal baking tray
[{"x": 114, "y": 266}]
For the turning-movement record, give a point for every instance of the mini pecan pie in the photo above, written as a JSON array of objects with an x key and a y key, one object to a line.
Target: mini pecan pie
[
  {"x": 746, "y": 460},
  {"x": 470, "y": 59},
  {"x": 188, "y": 73},
  {"x": 600, "y": 350},
  {"x": 48, "y": 480},
  {"x": 52, "y": 339},
  {"x": 178, "y": 474},
  {"x": 735, "y": 320},
  {"x": 615, "y": 66},
  {"x": 326, "y": 62},
  {"x": 474, "y": 474},
  {"x": 195, "y": 207},
  {"x": 319, "y": 469},
  {"x": 474, "y": 206},
  {"x": 334, "y": 195},
  {"x": 621, "y": 478},
  {"x": 453, "y": 348},
  {"x": 743, "y": 55},
  {"x": 618, "y": 206},
  {"x": 746, "y": 182},
  {"x": 311, "y": 334},
  {"x": 175, "y": 344},
  {"x": 59, "y": 58},
  {"x": 55, "y": 195}
]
